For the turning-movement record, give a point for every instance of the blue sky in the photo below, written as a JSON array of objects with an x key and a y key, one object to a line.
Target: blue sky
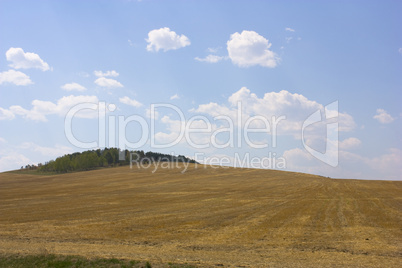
[{"x": 278, "y": 58}]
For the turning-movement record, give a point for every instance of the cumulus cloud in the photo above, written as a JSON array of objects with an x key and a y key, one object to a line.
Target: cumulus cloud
[
  {"x": 15, "y": 77},
  {"x": 289, "y": 29},
  {"x": 56, "y": 151},
  {"x": 6, "y": 114},
  {"x": 383, "y": 117},
  {"x": 131, "y": 102},
  {"x": 13, "y": 160},
  {"x": 249, "y": 48},
  {"x": 148, "y": 114},
  {"x": 177, "y": 127},
  {"x": 295, "y": 107},
  {"x": 349, "y": 143},
  {"x": 166, "y": 39},
  {"x": 175, "y": 97},
  {"x": 73, "y": 86},
  {"x": 385, "y": 166},
  {"x": 15, "y": 156},
  {"x": 40, "y": 109},
  {"x": 25, "y": 60},
  {"x": 111, "y": 73},
  {"x": 108, "y": 82},
  {"x": 210, "y": 58}
]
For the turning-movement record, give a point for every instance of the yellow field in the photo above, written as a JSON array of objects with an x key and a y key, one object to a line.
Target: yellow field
[{"x": 206, "y": 216}]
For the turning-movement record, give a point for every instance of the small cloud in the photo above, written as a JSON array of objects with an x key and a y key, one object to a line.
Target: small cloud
[
  {"x": 12, "y": 161},
  {"x": 166, "y": 39},
  {"x": 25, "y": 60},
  {"x": 175, "y": 97},
  {"x": 15, "y": 77},
  {"x": 213, "y": 49},
  {"x": 249, "y": 48},
  {"x": 288, "y": 39},
  {"x": 210, "y": 58},
  {"x": 130, "y": 43},
  {"x": 112, "y": 73},
  {"x": 47, "y": 151},
  {"x": 73, "y": 86},
  {"x": 40, "y": 109},
  {"x": 6, "y": 114},
  {"x": 400, "y": 50},
  {"x": 289, "y": 29},
  {"x": 349, "y": 143},
  {"x": 131, "y": 102},
  {"x": 383, "y": 117},
  {"x": 108, "y": 82},
  {"x": 148, "y": 114}
]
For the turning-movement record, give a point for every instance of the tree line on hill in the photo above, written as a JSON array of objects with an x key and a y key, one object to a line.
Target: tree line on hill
[{"x": 108, "y": 157}]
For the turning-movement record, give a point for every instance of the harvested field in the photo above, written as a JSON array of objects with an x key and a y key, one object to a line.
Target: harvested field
[{"x": 205, "y": 216}]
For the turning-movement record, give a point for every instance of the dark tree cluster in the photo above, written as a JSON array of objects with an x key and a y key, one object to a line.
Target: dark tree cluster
[{"x": 108, "y": 157}]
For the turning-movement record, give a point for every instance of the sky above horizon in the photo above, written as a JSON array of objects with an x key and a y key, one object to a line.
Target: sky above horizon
[{"x": 200, "y": 60}]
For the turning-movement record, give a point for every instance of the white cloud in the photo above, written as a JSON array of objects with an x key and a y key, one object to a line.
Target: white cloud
[
  {"x": 349, "y": 143},
  {"x": 40, "y": 109},
  {"x": 155, "y": 115},
  {"x": 289, "y": 29},
  {"x": 12, "y": 161},
  {"x": 249, "y": 49},
  {"x": 175, "y": 97},
  {"x": 28, "y": 114},
  {"x": 111, "y": 73},
  {"x": 73, "y": 86},
  {"x": 383, "y": 117},
  {"x": 6, "y": 114},
  {"x": 351, "y": 165},
  {"x": 210, "y": 58},
  {"x": 25, "y": 60},
  {"x": 388, "y": 165},
  {"x": 165, "y": 39},
  {"x": 13, "y": 157},
  {"x": 288, "y": 39},
  {"x": 400, "y": 50},
  {"x": 108, "y": 82},
  {"x": 175, "y": 126},
  {"x": 131, "y": 102},
  {"x": 213, "y": 49},
  {"x": 295, "y": 107},
  {"x": 15, "y": 77},
  {"x": 56, "y": 151}
]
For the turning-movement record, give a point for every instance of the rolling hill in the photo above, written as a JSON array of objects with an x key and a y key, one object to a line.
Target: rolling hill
[{"x": 205, "y": 216}]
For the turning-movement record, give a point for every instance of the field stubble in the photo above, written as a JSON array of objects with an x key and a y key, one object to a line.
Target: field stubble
[{"x": 205, "y": 216}]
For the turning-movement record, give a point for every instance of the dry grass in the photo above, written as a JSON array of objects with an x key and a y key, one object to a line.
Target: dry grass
[{"x": 206, "y": 216}]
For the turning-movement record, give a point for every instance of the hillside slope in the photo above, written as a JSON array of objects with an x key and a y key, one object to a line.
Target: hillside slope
[{"x": 205, "y": 216}]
